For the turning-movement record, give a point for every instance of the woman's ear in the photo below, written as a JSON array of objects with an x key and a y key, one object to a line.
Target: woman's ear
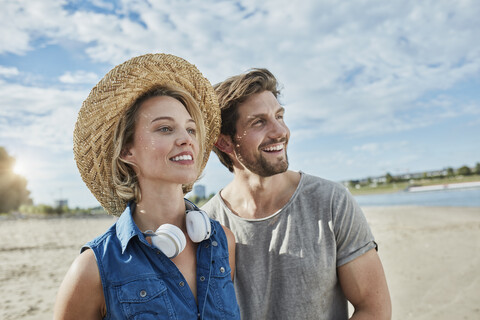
[
  {"x": 224, "y": 143},
  {"x": 126, "y": 154}
]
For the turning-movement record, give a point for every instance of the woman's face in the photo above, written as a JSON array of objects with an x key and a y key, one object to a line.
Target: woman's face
[{"x": 165, "y": 147}]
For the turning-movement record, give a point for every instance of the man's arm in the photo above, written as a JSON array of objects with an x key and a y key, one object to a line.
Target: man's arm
[{"x": 364, "y": 285}]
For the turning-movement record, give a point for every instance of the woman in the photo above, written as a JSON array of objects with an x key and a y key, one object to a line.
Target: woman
[{"x": 142, "y": 138}]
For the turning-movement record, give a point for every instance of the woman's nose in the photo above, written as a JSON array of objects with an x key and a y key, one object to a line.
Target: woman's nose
[{"x": 184, "y": 138}]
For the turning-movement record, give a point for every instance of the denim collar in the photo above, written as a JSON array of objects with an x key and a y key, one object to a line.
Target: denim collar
[{"x": 126, "y": 228}]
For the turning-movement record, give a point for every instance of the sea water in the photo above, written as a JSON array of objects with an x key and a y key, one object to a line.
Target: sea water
[{"x": 444, "y": 198}]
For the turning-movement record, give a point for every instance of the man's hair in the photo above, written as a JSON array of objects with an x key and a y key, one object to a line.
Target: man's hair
[
  {"x": 234, "y": 91},
  {"x": 124, "y": 176}
]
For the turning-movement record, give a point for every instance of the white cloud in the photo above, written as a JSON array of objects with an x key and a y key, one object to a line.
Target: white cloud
[
  {"x": 349, "y": 71},
  {"x": 376, "y": 148},
  {"x": 369, "y": 147},
  {"x": 79, "y": 77},
  {"x": 23, "y": 21},
  {"x": 8, "y": 71},
  {"x": 38, "y": 117}
]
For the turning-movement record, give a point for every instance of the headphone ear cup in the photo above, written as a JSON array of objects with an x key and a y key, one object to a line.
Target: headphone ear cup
[
  {"x": 170, "y": 240},
  {"x": 198, "y": 225}
]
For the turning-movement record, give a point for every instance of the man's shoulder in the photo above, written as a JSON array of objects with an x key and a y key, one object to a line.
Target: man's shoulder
[
  {"x": 316, "y": 181},
  {"x": 215, "y": 200},
  {"x": 213, "y": 206}
]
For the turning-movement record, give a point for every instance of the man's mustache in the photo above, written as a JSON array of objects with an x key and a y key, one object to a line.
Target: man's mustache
[{"x": 274, "y": 141}]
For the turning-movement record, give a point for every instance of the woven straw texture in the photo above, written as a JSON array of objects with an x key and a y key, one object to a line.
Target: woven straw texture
[{"x": 112, "y": 96}]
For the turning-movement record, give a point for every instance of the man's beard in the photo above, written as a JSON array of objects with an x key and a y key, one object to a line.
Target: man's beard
[{"x": 260, "y": 166}]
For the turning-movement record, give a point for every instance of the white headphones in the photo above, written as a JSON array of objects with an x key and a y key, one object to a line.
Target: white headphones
[{"x": 170, "y": 239}]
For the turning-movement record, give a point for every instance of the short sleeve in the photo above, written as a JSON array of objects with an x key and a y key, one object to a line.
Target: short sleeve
[{"x": 352, "y": 232}]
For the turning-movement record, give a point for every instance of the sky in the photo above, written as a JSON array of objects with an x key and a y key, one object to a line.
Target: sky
[{"x": 369, "y": 87}]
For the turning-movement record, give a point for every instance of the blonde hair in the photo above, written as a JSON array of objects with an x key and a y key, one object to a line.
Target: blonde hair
[{"x": 124, "y": 177}]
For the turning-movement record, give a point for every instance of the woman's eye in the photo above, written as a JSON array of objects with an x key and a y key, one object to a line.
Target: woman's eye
[
  {"x": 258, "y": 122},
  {"x": 192, "y": 131},
  {"x": 164, "y": 129}
]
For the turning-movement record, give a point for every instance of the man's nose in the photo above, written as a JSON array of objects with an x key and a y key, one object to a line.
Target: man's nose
[{"x": 278, "y": 129}]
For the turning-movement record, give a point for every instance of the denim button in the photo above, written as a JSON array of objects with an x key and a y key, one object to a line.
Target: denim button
[
  {"x": 143, "y": 293},
  {"x": 214, "y": 243},
  {"x": 222, "y": 269},
  {"x": 181, "y": 284},
  {"x": 202, "y": 278}
]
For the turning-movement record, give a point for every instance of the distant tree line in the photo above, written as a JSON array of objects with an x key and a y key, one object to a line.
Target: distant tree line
[
  {"x": 45, "y": 209},
  {"x": 439, "y": 174},
  {"x": 13, "y": 187},
  {"x": 200, "y": 201}
]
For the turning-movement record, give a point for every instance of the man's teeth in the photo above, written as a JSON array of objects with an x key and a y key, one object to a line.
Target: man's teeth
[
  {"x": 184, "y": 157},
  {"x": 274, "y": 148}
]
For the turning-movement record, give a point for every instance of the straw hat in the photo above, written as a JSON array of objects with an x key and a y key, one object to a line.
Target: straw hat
[{"x": 112, "y": 96}]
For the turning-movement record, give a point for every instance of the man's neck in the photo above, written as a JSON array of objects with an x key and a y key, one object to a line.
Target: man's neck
[{"x": 253, "y": 197}]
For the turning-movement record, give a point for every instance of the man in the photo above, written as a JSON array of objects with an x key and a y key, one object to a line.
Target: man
[{"x": 303, "y": 244}]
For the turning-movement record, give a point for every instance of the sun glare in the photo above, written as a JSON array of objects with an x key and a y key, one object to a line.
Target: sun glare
[{"x": 20, "y": 168}]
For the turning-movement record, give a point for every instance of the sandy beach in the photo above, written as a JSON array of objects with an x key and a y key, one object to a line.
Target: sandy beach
[{"x": 430, "y": 256}]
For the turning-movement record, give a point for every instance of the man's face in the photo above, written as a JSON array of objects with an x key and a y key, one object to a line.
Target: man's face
[{"x": 260, "y": 144}]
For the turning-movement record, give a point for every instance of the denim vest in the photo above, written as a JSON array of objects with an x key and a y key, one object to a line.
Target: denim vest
[{"x": 140, "y": 282}]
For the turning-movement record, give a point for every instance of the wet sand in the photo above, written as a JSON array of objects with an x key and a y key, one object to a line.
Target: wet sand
[{"x": 430, "y": 256}]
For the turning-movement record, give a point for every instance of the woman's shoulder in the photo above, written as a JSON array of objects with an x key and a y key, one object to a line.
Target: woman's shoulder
[
  {"x": 81, "y": 287},
  {"x": 102, "y": 239},
  {"x": 84, "y": 270},
  {"x": 229, "y": 235}
]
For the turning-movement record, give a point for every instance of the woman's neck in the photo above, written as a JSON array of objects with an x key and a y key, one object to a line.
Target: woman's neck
[{"x": 158, "y": 207}]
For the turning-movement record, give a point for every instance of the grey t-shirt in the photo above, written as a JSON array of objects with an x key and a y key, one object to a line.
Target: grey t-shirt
[{"x": 286, "y": 264}]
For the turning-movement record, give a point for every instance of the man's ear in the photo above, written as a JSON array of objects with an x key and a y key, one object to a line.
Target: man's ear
[{"x": 224, "y": 143}]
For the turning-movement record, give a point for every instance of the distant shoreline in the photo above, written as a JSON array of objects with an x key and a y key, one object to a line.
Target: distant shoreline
[
  {"x": 447, "y": 186},
  {"x": 54, "y": 216},
  {"x": 421, "y": 185}
]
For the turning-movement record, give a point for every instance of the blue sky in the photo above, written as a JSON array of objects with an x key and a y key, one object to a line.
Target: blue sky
[{"x": 369, "y": 86}]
